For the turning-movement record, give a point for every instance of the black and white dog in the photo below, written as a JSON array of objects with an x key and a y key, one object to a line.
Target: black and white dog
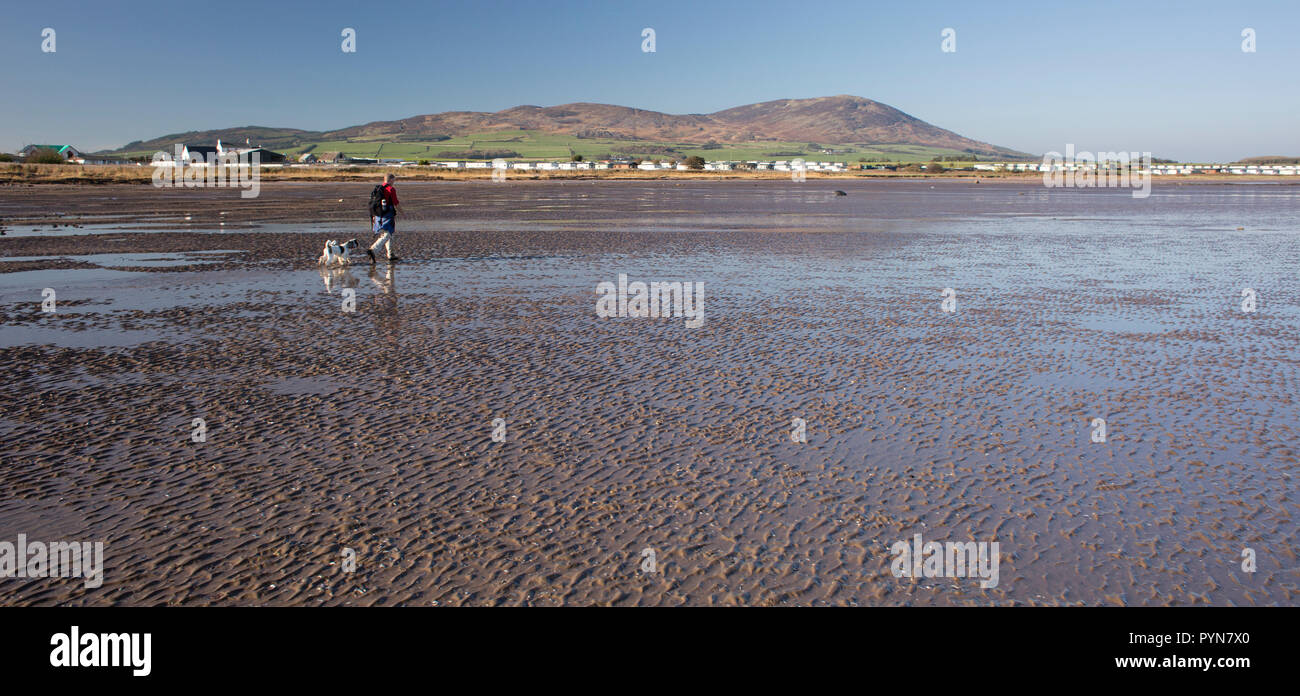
[{"x": 336, "y": 254}]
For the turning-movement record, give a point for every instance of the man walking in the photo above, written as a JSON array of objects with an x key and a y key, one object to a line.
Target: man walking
[{"x": 383, "y": 213}]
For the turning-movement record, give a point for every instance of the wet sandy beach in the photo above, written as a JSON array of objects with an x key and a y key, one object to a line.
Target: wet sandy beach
[{"x": 371, "y": 431}]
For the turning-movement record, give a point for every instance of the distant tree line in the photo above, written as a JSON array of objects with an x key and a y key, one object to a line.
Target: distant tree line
[
  {"x": 1269, "y": 160},
  {"x": 417, "y": 138},
  {"x": 656, "y": 150},
  {"x": 477, "y": 154},
  {"x": 44, "y": 155}
]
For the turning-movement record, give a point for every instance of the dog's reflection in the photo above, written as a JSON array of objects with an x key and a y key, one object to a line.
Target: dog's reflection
[{"x": 337, "y": 277}]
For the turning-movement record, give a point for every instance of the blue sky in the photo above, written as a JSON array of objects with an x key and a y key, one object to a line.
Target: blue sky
[{"x": 1165, "y": 77}]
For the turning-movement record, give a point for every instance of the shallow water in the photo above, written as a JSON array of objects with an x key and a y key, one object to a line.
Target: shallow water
[{"x": 371, "y": 429}]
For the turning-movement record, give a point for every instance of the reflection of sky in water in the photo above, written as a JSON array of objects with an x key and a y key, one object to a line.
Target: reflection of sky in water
[
  {"x": 157, "y": 260},
  {"x": 1173, "y": 261}
]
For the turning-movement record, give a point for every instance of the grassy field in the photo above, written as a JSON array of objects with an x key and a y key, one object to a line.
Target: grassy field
[
  {"x": 535, "y": 145},
  {"x": 112, "y": 174},
  {"x": 18, "y": 174}
]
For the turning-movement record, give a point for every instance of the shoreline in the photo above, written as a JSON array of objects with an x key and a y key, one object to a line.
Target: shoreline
[
  {"x": 30, "y": 174},
  {"x": 72, "y": 209}
]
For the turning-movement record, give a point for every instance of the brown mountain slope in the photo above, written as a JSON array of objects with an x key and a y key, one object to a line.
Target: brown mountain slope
[
  {"x": 831, "y": 120},
  {"x": 842, "y": 119},
  {"x": 839, "y": 119},
  {"x": 602, "y": 120}
]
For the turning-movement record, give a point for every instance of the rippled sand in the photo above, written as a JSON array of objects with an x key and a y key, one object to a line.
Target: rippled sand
[{"x": 371, "y": 431}]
